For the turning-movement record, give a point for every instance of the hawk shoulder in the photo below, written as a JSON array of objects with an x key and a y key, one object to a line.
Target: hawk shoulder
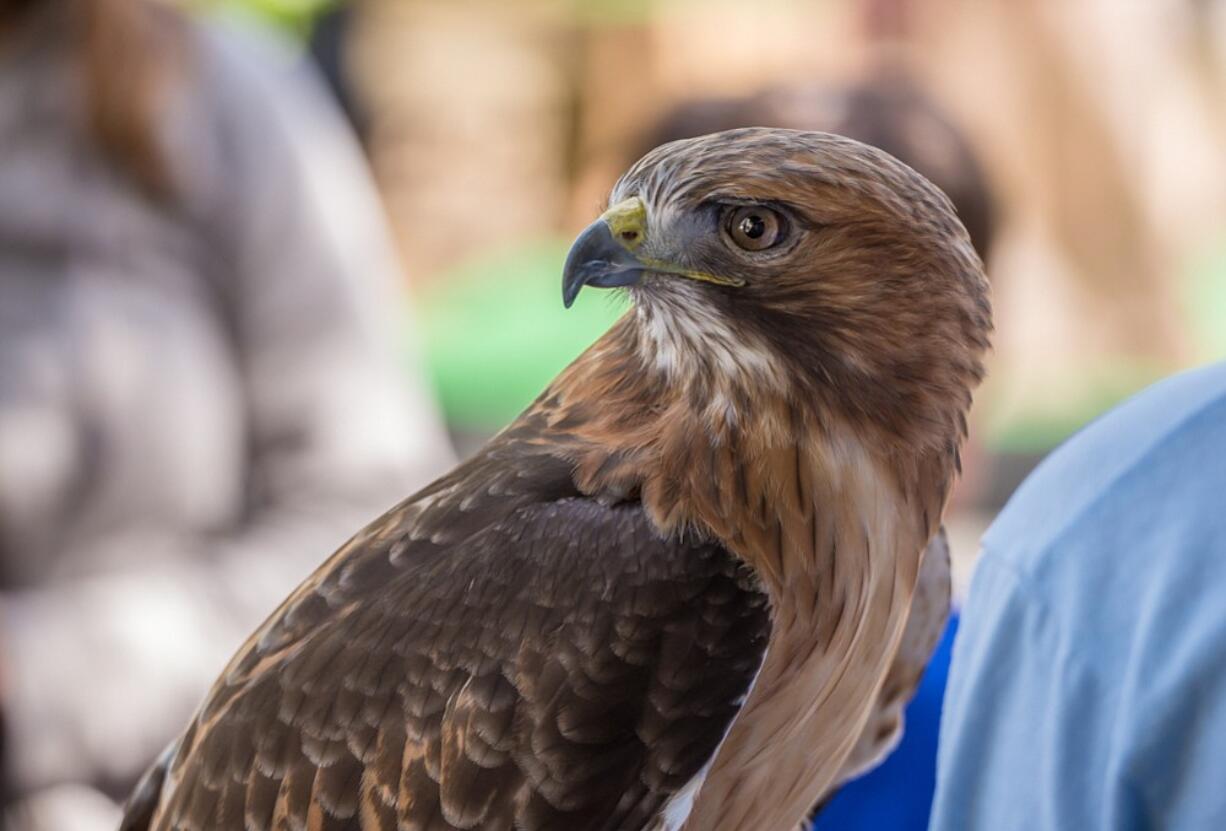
[{"x": 499, "y": 652}]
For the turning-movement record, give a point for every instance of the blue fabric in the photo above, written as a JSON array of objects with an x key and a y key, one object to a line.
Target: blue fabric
[
  {"x": 1088, "y": 687},
  {"x": 897, "y": 795}
]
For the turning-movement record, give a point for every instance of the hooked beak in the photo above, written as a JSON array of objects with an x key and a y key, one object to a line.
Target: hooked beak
[{"x": 603, "y": 255}]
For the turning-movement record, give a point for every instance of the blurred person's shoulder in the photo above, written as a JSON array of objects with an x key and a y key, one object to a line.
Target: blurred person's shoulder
[
  {"x": 1129, "y": 489},
  {"x": 253, "y": 55},
  {"x": 271, "y": 138},
  {"x": 254, "y": 71},
  {"x": 1088, "y": 665}
]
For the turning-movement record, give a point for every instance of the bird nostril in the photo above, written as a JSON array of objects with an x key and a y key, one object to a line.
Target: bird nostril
[{"x": 629, "y": 236}]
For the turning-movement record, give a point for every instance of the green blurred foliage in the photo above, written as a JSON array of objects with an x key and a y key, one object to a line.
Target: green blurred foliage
[
  {"x": 1204, "y": 301},
  {"x": 1040, "y": 429},
  {"x": 292, "y": 16},
  {"x": 495, "y": 332},
  {"x": 1202, "y": 292},
  {"x": 297, "y": 15},
  {"x": 612, "y": 12}
]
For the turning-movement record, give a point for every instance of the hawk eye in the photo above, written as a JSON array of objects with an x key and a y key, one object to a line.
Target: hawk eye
[{"x": 753, "y": 227}]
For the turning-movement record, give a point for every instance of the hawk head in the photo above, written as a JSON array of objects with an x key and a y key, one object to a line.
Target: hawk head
[{"x": 798, "y": 262}]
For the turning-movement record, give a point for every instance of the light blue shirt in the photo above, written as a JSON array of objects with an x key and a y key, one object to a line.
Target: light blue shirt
[{"x": 1088, "y": 687}]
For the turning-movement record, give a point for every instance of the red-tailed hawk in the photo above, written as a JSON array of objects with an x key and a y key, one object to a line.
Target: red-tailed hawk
[{"x": 672, "y": 593}]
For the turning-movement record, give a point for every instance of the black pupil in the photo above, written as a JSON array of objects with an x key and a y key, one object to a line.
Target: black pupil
[{"x": 753, "y": 226}]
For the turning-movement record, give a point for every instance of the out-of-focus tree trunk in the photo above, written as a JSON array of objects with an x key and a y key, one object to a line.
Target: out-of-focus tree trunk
[
  {"x": 616, "y": 75},
  {"x": 1085, "y": 112}
]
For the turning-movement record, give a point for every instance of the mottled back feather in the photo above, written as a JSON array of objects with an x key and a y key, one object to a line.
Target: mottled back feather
[{"x": 498, "y": 652}]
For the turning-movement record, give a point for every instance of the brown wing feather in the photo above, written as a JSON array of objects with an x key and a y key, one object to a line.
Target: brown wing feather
[
  {"x": 496, "y": 653},
  {"x": 141, "y": 805}
]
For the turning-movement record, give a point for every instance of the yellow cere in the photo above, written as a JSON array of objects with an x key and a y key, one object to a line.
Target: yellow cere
[{"x": 627, "y": 220}]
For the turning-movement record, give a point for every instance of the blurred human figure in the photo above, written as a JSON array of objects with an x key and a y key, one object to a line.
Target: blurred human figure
[
  {"x": 1088, "y": 687},
  {"x": 202, "y": 390}
]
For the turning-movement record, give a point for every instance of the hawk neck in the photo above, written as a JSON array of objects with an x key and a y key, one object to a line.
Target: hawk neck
[{"x": 832, "y": 524}]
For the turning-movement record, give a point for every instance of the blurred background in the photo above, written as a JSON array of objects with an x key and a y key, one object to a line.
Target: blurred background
[{"x": 265, "y": 265}]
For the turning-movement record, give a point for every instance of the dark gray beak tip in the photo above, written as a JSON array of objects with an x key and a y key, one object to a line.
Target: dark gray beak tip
[
  {"x": 597, "y": 259},
  {"x": 570, "y": 290}
]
